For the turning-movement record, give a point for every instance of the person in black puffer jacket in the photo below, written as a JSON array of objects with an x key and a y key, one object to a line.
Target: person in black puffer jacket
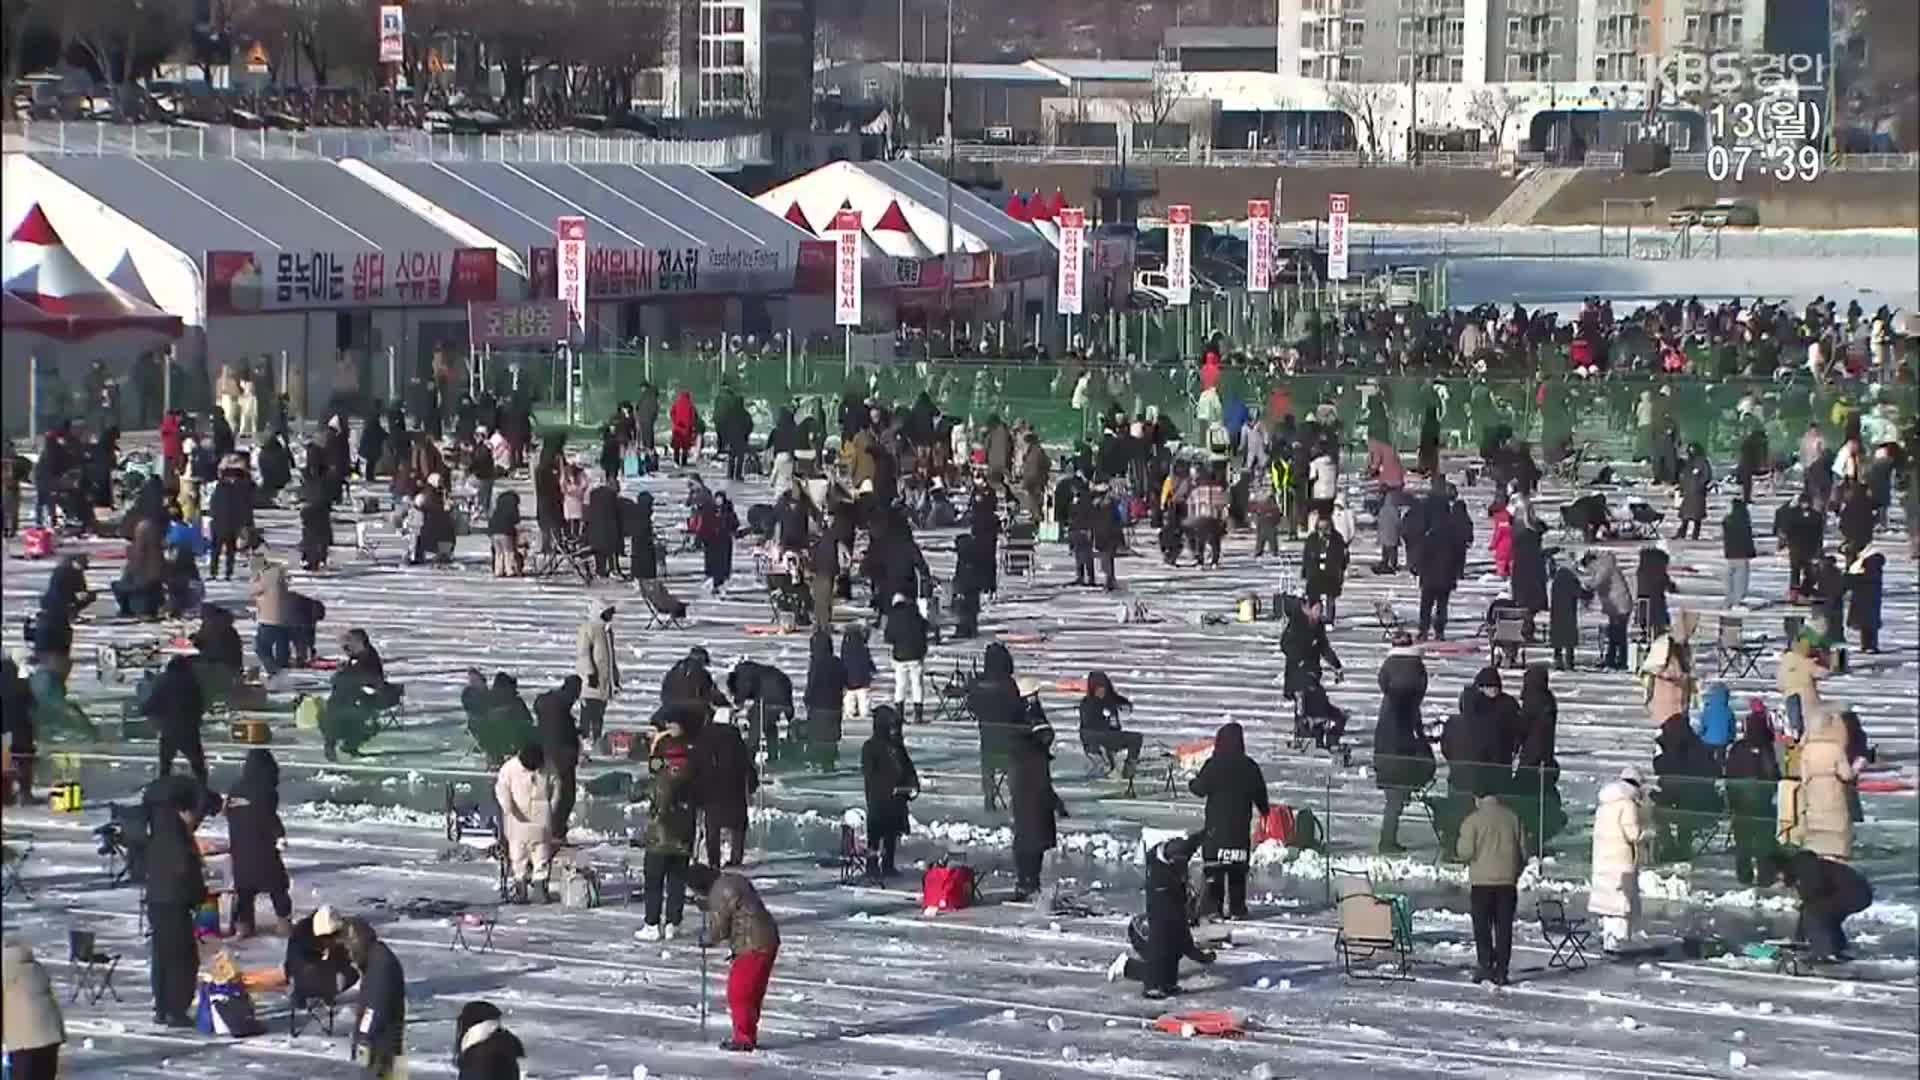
[
  {"x": 906, "y": 632},
  {"x": 826, "y": 698},
  {"x": 503, "y": 525},
  {"x": 380, "y": 1025},
  {"x": 891, "y": 782},
  {"x": 765, "y": 696},
  {"x": 1036, "y": 805},
  {"x": 177, "y": 707},
  {"x": 1753, "y": 777},
  {"x": 483, "y": 1048},
  {"x": 1164, "y": 934},
  {"x": 176, "y": 884},
  {"x": 1536, "y": 774},
  {"x": 994, "y": 699},
  {"x": 1479, "y": 743},
  {"x": 1235, "y": 789},
  {"x": 1402, "y": 756},
  {"x": 254, "y": 834},
  {"x": 1100, "y": 730},
  {"x": 727, "y": 780}
]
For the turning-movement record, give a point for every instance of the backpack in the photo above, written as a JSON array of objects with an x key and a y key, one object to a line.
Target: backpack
[
  {"x": 1291, "y": 828},
  {"x": 948, "y": 886},
  {"x": 579, "y": 885}
]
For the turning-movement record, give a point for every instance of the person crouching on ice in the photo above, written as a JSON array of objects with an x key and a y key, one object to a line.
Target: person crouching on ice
[
  {"x": 1165, "y": 933},
  {"x": 736, "y": 916}
]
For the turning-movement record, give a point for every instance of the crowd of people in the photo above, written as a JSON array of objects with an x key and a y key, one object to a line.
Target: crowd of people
[{"x": 832, "y": 523}]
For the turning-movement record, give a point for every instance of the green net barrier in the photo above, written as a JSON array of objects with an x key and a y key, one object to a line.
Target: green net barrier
[{"x": 1601, "y": 414}]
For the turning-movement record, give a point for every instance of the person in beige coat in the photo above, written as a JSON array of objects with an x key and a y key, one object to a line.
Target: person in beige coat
[
  {"x": 1620, "y": 838},
  {"x": 524, "y": 790},
  {"x": 598, "y": 666},
  {"x": 31, "y": 1015},
  {"x": 1667, "y": 673},
  {"x": 1826, "y": 777},
  {"x": 1799, "y": 681}
]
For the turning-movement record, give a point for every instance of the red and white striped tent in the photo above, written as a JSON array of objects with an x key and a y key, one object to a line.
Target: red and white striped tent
[{"x": 51, "y": 299}]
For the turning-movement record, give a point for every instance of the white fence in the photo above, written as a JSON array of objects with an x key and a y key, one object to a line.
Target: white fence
[{"x": 571, "y": 147}]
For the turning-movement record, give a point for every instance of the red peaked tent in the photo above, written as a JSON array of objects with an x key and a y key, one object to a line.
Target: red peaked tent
[
  {"x": 799, "y": 217},
  {"x": 893, "y": 219},
  {"x": 1017, "y": 208},
  {"x": 49, "y": 294},
  {"x": 1039, "y": 209}
]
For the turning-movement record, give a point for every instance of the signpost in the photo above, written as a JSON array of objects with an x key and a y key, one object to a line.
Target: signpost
[
  {"x": 1073, "y": 235},
  {"x": 1180, "y": 264},
  {"x": 1259, "y": 258},
  {"x": 393, "y": 34},
  {"x": 570, "y": 236},
  {"x": 846, "y": 275},
  {"x": 1337, "y": 205}
]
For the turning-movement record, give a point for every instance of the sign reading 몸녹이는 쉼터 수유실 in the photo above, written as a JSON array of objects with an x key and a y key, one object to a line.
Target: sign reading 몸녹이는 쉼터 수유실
[{"x": 261, "y": 282}]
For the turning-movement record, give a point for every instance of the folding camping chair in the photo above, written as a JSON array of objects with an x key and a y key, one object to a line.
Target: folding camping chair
[
  {"x": 1739, "y": 655},
  {"x": 480, "y": 918},
  {"x": 317, "y": 1010},
  {"x": 853, "y": 855},
  {"x": 1017, "y": 551},
  {"x": 1389, "y": 619},
  {"x": 1567, "y": 936},
  {"x": 950, "y": 696},
  {"x": 1508, "y": 639},
  {"x": 13, "y": 863},
  {"x": 663, "y": 611},
  {"x": 92, "y": 968},
  {"x": 1372, "y": 927}
]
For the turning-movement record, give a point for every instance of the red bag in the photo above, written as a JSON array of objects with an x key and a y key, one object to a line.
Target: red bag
[
  {"x": 36, "y": 542},
  {"x": 947, "y": 888},
  {"x": 1276, "y": 824}
]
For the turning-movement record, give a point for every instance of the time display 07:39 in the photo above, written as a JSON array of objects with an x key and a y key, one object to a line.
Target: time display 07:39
[{"x": 1774, "y": 138}]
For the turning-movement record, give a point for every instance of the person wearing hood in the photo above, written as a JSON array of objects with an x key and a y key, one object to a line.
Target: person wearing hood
[
  {"x": 1696, "y": 479},
  {"x": 272, "y": 640},
  {"x": 1736, "y": 543},
  {"x": 1652, "y": 583},
  {"x": 1529, "y": 569},
  {"x": 359, "y": 692},
  {"x": 684, "y": 427},
  {"x": 1865, "y": 584},
  {"x": 524, "y": 790},
  {"x": 176, "y": 884},
  {"x": 1235, "y": 790},
  {"x": 1619, "y": 850},
  {"x": 600, "y": 524},
  {"x": 1480, "y": 742},
  {"x": 1715, "y": 723},
  {"x": 728, "y": 779},
  {"x": 1304, "y": 645},
  {"x": 1827, "y": 773},
  {"x": 891, "y": 782},
  {"x": 825, "y": 698},
  {"x": 1402, "y": 756},
  {"x": 1100, "y": 730},
  {"x": 1163, "y": 936},
  {"x": 1537, "y": 768},
  {"x": 738, "y": 917},
  {"x": 1438, "y": 557},
  {"x": 970, "y": 571},
  {"x": 1494, "y": 847},
  {"x": 483, "y": 1048},
  {"x": 906, "y": 634},
  {"x": 1667, "y": 673},
  {"x": 1752, "y": 778},
  {"x": 1829, "y": 892},
  {"x": 34, "y": 1027},
  {"x": 1616, "y": 602},
  {"x": 994, "y": 700},
  {"x": 1036, "y": 806},
  {"x": 380, "y": 1022},
  {"x": 503, "y": 526},
  {"x": 560, "y": 740},
  {"x": 232, "y": 513},
  {"x": 689, "y": 683},
  {"x": 1688, "y": 800},
  {"x": 255, "y": 837},
  {"x": 858, "y": 661},
  {"x": 140, "y": 588},
  {"x": 1565, "y": 596},
  {"x": 177, "y": 707},
  {"x": 765, "y": 697},
  {"x": 672, "y": 784},
  {"x": 317, "y": 965},
  {"x": 597, "y": 663}
]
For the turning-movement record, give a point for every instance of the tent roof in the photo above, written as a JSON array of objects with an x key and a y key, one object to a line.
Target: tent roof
[
  {"x": 660, "y": 206},
  {"x": 49, "y": 293},
  {"x": 195, "y": 205},
  {"x": 890, "y": 193}
]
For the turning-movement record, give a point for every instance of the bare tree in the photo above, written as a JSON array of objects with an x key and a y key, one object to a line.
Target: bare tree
[
  {"x": 1156, "y": 102},
  {"x": 338, "y": 37},
  {"x": 18, "y": 18},
  {"x": 1366, "y": 105},
  {"x": 272, "y": 25},
  {"x": 1494, "y": 109},
  {"x": 125, "y": 39}
]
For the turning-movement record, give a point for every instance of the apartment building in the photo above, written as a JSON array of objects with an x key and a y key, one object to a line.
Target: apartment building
[
  {"x": 1480, "y": 41},
  {"x": 741, "y": 58}
]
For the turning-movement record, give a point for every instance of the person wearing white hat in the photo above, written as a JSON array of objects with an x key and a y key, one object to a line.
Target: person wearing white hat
[
  {"x": 1620, "y": 836},
  {"x": 598, "y": 665},
  {"x": 317, "y": 965}
]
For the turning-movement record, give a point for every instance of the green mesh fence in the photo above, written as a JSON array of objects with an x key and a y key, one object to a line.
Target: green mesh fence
[{"x": 1602, "y": 413}]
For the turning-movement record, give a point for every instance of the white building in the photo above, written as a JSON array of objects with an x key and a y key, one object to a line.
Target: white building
[{"x": 734, "y": 58}]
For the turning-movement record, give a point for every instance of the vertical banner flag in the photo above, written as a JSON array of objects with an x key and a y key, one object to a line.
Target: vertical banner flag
[
  {"x": 570, "y": 234},
  {"x": 1179, "y": 255},
  {"x": 1259, "y": 245},
  {"x": 393, "y": 33},
  {"x": 1337, "y": 236},
  {"x": 1073, "y": 232},
  {"x": 846, "y": 268}
]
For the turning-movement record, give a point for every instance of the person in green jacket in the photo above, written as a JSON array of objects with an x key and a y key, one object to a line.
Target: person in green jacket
[{"x": 1494, "y": 848}]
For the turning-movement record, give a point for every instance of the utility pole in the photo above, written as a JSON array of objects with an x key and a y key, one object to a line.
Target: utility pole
[{"x": 946, "y": 275}]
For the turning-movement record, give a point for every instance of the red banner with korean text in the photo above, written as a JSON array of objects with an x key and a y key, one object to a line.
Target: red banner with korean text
[{"x": 258, "y": 282}]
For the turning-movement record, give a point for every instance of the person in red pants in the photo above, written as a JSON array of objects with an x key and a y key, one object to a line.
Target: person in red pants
[{"x": 736, "y": 917}]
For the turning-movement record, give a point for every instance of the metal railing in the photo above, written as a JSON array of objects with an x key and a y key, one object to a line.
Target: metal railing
[
  {"x": 1149, "y": 157},
  {"x": 101, "y": 139}
]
